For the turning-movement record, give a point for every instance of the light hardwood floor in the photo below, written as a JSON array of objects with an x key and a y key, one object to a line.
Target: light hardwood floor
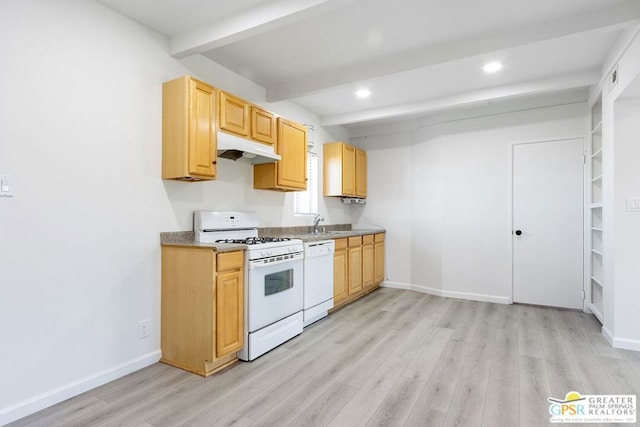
[{"x": 394, "y": 358}]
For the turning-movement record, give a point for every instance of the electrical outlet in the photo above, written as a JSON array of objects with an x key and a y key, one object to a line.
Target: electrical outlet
[{"x": 143, "y": 329}]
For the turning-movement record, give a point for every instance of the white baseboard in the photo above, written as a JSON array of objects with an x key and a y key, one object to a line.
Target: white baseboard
[
  {"x": 448, "y": 294},
  {"x": 623, "y": 343},
  {"x": 44, "y": 400},
  {"x": 607, "y": 335},
  {"x": 396, "y": 285},
  {"x": 626, "y": 344}
]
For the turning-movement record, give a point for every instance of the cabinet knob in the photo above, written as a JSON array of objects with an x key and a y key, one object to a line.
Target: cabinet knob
[
  {"x": 215, "y": 162},
  {"x": 518, "y": 232}
]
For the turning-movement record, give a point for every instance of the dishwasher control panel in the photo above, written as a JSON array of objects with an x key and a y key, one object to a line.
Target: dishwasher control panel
[{"x": 321, "y": 248}]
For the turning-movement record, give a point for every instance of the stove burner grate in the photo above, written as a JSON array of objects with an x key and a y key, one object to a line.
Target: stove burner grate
[{"x": 254, "y": 240}]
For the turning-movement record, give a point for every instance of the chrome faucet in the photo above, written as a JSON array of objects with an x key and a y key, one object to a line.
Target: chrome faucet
[{"x": 316, "y": 221}]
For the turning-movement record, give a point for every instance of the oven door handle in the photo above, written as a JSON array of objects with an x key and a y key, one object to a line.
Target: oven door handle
[{"x": 254, "y": 265}]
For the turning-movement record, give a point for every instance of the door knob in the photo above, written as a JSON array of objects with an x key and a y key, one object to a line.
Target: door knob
[{"x": 518, "y": 232}]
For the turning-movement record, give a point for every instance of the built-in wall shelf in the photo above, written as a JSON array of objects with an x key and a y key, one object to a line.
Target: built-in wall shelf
[{"x": 596, "y": 252}]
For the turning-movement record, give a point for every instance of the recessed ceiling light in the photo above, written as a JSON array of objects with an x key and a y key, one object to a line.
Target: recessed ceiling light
[
  {"x": 492, "y": 67},
  {"x": 363, "y": 93}
]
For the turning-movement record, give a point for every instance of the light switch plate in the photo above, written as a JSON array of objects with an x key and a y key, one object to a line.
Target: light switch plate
[
  {"x": 6, "y": 189},
  {"x": 633, "y": 204}
]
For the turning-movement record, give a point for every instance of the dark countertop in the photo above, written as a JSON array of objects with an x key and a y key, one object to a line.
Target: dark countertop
[
  {"x": 187, "y": 238},
  {"x": 309, "y": 237}
]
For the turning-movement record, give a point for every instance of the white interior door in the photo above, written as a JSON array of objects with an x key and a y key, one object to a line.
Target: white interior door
[{"x": 548, "y": 223}]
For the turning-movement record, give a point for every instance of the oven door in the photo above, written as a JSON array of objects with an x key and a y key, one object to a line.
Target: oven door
[{"x": 275, "y": 291}]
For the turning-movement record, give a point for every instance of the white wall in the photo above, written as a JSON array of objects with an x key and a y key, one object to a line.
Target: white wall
[
  {"x": 620, "y": 228},
  {"x": 453, "y": 201},
  {"x": 627, "y": 243},
  {"x": 80, "y": 134},
  {"x": 388, "y": 200}
]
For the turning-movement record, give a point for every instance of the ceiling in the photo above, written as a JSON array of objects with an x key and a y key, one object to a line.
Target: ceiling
[{"x": 418, "y": 57}]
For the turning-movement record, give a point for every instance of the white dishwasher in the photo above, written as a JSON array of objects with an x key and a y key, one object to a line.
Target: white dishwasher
[{"x": 318, "y": 280}]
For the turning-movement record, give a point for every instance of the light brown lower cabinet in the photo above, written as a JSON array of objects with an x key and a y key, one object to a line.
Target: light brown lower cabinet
[
  {"x": 355, "y": 265},
  {"x": 358, "y": 267},
  {"x": 202, "y": 308},
  {"x": 378, "y": 256},
  {"x": 229, "y": 303},
  {"x": 367, "y": 262},
  {"x": 340, "y": 270}
]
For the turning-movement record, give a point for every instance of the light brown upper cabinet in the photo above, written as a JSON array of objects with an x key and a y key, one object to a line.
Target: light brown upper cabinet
[
  {"x": 344, "y": 170},
  {"x": 188, "y": 130},
  {"x": 289, "y": 173},
  {"x": 361, "y": 173},
  {"x": 234, "y": 115},
  {"x": 263, "y": 126}
]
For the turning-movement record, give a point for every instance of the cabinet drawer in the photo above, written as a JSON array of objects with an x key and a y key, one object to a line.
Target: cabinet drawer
[
  {"x": 367, "y": 240},
  {"x": 341, "y": 243},
  {"x": 230, "y": 261},
  {"x": 355, "y": 241},
  {"x": 379, "y": 237}
]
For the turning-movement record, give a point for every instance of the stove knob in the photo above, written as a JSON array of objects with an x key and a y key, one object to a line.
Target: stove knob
[
  {"x": 269, "y": 252},
  {"x": 264, "y": 253}
]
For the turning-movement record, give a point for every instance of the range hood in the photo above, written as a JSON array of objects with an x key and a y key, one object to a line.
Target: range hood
[{"x": 234, "y": 148}]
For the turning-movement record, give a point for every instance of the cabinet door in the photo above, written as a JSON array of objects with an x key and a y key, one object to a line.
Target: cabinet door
[
  {"x": 361, "y": 173},
  {"x": 202, "y": 135},
  {"x": 348, "y": 170},
  {"x": 229, "y": 313},
  {"x": 263, "y": 126},
  {"x": 355, "y": 270},
  {"x": 367, "y": 266},
  {"x": 379, "y": 262},
  {"x": 234, "y": 114},
  {"x": 339, "y": 276},
  {"x": 292, "y": 146}
]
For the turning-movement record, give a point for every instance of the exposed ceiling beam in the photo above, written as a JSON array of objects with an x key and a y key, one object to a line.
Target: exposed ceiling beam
[
  {"x": 616, "y": 16},
  {"x": 473, "y": 98},
  {"x": 506, "y": 105},
  {"x": 253, "y": 22}
]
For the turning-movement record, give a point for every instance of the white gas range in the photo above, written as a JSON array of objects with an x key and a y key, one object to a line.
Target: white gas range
[{"x": 273, "y": 278}]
